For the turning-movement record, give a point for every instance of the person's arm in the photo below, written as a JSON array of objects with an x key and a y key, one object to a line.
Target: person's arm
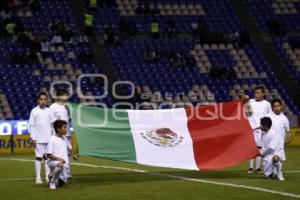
[
  {"x": 69, "y": 146},
  {"x": 246, "y": 99},
  {"x": 32, "y": 120},
  {"x": 52, "y": 119},
  {"x": 53, "y": 157},
  {"x": 287, "y": 129},
  {"x": 266, "y": 152},
  {"x": 247, "y": 106},
  {"x": 287, "y": 125}
]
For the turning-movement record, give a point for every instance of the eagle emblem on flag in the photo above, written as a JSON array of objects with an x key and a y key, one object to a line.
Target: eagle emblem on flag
[{"x": 163, "y": 137}]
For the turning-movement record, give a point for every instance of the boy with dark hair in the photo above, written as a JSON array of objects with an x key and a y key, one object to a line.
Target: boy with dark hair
[
  {"x": 60, "y": 111},
  {"x": 40, "y": 129},
  {"x": 258, "y": 108},
  {"x": 281, "y": 123},
  {"x": 58, "y": 154},
  {"x": 271, "y": 149}
]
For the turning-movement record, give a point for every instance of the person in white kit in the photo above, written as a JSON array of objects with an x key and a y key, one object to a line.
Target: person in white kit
[
  {"x": 271, "y": 150},
  {"x": 60, "y": 111},
  {"x": 258, "y": 108},
  {"x": 58, "y": 150},
  {"x": 40, "y": 128},
  {"x": 281, "y": 123}
]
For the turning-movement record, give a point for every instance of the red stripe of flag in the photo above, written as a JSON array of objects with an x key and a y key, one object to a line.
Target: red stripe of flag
[{"x": 219, "y": 142}]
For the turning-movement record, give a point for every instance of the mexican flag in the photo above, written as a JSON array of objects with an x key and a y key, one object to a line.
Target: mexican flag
[{"x": 199, "y": 138}]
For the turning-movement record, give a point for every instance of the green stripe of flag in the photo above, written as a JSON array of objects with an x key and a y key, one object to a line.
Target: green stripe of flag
[{"x": 101, "y": 133}]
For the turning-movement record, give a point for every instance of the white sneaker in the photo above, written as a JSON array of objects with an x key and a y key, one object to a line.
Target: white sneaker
[
  {"x": 258, "y": 171},
  {"x": 47, "y": 179},
  {"x": 280, "y": 177},
  {"x": 52, "y": 186},
  {"x": 38, "y": 181}
]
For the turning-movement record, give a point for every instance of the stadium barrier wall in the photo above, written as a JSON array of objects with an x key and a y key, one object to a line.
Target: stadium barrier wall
[
  {"x": 295, "y": 137},
  {"x": 23, "y": 144},
  {"x": 15, "y": 138}
]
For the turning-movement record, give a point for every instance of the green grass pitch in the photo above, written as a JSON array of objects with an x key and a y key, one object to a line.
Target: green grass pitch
[{"x": 104, "y": 179}]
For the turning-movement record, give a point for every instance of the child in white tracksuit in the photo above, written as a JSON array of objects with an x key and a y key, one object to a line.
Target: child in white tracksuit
[
  {"x": 40, "y": 127},
  {"x": 58, "y": 154},
  {"x": 258, "y": 108},
  {"x": 60, "y": 111},
  {"x": 271, "y": 150}
]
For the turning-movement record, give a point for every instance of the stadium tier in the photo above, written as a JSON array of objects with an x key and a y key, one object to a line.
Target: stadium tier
[
  {"x": 288, "y": 51},
  {"x": 243, "y": 69},
  {"x": 20, "y": 82},
  {"x": 284, "y": 13},
  {"x": 209, "y": 58},
  {"x": 218, "y": 16},
  {"x": 37, "y": 21}
]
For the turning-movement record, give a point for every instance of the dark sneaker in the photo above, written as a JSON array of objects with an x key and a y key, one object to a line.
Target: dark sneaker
[
  {"x": 250, "y": 171},
  {"x": 60, "y": 183},
  {"x": 271, "y": 176},
  {"x": 258, "y": 171}
]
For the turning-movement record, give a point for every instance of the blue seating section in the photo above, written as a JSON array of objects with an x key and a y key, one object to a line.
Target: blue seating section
[
  {"x": 219, "y": 16},
  {"x": 161, "y": 76},
  {"x": 263, "y": 12},
  {"x": 219, "y": 58},
  {"x": 278, "y": 44},
  {"x": 49, "y": 10},
  {"x": 20, "y": 85}
]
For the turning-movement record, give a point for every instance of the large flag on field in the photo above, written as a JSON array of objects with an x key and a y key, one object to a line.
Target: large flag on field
[{"x": 204, "y": 137}]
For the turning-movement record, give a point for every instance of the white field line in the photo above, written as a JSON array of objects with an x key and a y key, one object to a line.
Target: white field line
[
  {"x": 181, "y": 178},
  {"x": 292, "y": 171},
  {"x": 16, "y": 179}
]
